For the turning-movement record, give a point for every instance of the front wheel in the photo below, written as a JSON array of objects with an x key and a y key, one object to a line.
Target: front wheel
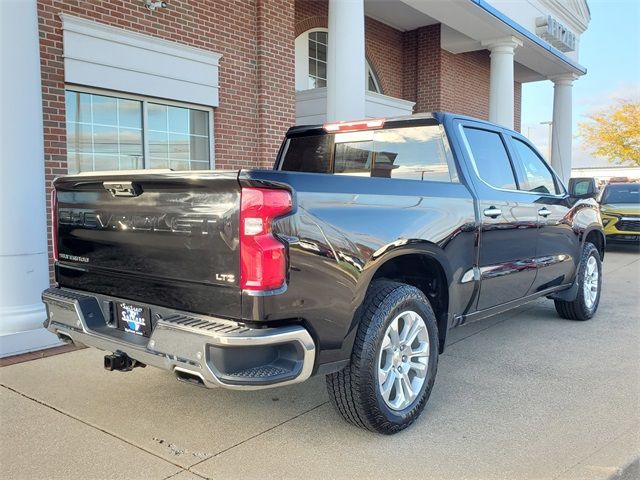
[
  {"x": 394, "y": 360},
  {"x": 589, "y": 280}
]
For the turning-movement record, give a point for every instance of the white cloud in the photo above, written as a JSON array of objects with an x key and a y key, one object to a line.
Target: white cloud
[{"x": 593, "y": 103}]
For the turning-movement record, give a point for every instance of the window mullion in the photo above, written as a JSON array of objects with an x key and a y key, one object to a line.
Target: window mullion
[
  {"x": 145, "y": 139},
  {"x": 118, "y": 132},
  {"x": 93, "y": 137}
]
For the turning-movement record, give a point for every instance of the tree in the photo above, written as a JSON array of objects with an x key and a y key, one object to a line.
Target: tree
[{"x": 614, "y": 133}]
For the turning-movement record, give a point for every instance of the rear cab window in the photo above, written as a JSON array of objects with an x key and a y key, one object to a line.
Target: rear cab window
[{"x": 407, "y": 152}]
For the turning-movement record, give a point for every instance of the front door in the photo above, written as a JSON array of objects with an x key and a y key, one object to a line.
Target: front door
[
  {"x": 557, "y": 250},
  {"x": 508, "y": 219}
]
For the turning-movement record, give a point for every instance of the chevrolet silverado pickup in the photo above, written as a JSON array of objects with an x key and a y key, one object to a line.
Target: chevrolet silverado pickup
[{"x": 352, "y": 259}]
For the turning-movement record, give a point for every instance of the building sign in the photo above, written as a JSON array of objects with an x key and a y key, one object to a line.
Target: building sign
[{"x": 555, "y": 33}]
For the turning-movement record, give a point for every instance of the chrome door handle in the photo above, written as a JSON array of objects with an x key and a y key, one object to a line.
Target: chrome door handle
[
  {"x": 492, "y": 212},
  {"x": 543, "y": 212}
]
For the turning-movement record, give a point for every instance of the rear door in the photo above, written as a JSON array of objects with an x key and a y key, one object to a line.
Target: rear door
[
  {"x": 508, "y": 218},
  {"x": 558, "y": 247},
  {"x": 168, "y": 239}
]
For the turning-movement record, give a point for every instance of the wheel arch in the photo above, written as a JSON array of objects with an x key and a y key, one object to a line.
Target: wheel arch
[
  {"x": 425, "y": 267},
  {"x": 596, "y": 236}
]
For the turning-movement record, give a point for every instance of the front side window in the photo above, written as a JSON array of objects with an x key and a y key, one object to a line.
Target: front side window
[
  {"x": 533, "y": 174},
  {"x": 490, "y": 158},
  {"x": 111, "y": 133}
]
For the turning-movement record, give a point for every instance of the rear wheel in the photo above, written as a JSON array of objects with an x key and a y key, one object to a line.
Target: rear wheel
[
  {"x": 394, "y": 360},
  {"x": 589, "y": 280}
]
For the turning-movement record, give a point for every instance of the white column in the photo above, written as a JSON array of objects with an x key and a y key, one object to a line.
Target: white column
[
  {"x": 562, "y": 130},
  {"x": 501, "y": 90},
  {"x": 346, "y": 60},
  {"x": 24, "y": 270}
]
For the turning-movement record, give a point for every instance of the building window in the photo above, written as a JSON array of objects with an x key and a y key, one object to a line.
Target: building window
[
  {"x": 311, "y": 62},
  {"x": 106, "y": 132},
  {"x": 318, "y": 59},
  {"x": 373, "y": 84}
]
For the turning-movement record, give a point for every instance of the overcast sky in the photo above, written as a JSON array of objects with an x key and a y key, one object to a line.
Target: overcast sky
[{"x": 610, "y": 50}]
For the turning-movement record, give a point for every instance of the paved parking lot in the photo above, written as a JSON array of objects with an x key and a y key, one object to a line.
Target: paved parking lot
[{"x": 520, "y": 395}]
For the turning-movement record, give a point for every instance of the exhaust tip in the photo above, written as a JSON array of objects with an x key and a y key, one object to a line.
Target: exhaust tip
[
  {"x": 64, "y": 338},
  {"x": 189, "y": 377}
]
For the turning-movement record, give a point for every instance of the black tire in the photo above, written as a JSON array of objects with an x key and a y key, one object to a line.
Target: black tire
[
  {"x": 354, "y": 390},
  {"x": 579, "y": 309}
]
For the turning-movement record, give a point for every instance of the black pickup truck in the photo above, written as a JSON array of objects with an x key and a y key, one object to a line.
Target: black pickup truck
[{"x": 352, "y": 258}]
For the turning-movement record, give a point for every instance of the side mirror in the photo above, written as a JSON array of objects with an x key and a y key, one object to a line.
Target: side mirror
[{"x": 580, "y": 188}]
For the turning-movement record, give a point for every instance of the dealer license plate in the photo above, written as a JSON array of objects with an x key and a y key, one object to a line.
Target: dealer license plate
[{"x": 134, "y": 318}]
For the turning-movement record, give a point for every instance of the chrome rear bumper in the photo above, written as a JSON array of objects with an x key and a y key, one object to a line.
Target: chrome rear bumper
[{"x": 219, "y": 353}]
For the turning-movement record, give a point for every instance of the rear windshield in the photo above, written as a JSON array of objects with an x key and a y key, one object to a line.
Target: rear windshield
[
  {"x": 622, "y": 193},
  {"x": 416, "y": 153}
]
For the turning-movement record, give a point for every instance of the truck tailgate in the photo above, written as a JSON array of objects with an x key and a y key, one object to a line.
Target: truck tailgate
[{"x": 167, "y": 239}]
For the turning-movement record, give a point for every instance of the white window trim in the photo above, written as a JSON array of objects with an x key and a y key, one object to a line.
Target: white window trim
[
  {"x": 115, "y": 59},
  {"x": 145, "y": 100}
]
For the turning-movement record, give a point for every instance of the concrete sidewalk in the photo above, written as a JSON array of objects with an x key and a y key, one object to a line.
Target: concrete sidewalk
[{"x": 520, "y": 395}]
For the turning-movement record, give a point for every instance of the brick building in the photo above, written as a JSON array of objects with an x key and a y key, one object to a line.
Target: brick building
[{"x": 122, "y": 84}]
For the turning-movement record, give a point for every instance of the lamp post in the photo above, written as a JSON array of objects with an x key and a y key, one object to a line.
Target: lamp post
[{"x": 550, "y": 123}]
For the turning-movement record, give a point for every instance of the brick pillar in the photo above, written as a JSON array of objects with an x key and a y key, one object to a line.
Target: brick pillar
[
  {"x": 428, "y": 69},
  {"x": 409, "y": 65},
  {"x": 276, "y": 75},
  {"x": 517, "y": 106}
]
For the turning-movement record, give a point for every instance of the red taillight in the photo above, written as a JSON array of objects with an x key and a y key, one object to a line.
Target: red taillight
[
  {"x": 353, "y": 126},
  {"x": 54, "y": 224},
  {"x": 263, "y": 261}
]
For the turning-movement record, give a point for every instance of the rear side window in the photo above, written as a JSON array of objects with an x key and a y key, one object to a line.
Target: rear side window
[
  {"x": 533, "y": 173},
  {"x": 415, "y": 153},
  {"x": 490, "y": 158}
]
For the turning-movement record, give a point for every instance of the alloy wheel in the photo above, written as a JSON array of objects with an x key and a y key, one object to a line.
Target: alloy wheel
[
  {"x": 403, "y": 360},
  {"x": 590, "y": 284}
]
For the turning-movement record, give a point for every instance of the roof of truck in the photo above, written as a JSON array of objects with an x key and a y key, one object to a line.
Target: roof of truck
[{"x": 417, "y": 118}]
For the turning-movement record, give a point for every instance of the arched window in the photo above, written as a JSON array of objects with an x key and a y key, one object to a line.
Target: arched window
[
  {"x": 311, "y": 62},
  {"x": 373, "y": 84}
]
